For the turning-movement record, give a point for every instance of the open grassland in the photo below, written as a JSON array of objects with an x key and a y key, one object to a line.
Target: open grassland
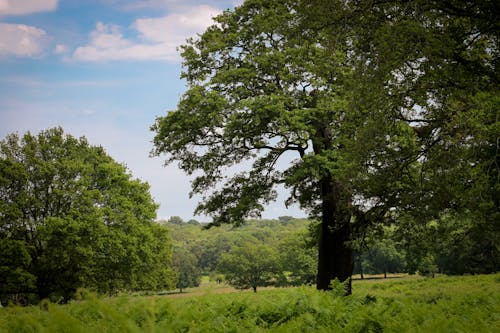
[{"x": 442, "y": 304}]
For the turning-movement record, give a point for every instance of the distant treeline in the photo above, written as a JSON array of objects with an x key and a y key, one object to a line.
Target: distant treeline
[{"x": 284, "y": 250}]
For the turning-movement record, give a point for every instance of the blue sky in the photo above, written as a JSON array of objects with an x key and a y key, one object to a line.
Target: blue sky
[{"x": 104, "y": 69}]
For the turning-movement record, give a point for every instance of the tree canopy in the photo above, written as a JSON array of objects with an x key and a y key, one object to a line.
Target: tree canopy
[
  {"x": 188, "y": 272},
  {"x": 364, "y": 110},
  {"x": 70, "y": 217},
  {"x": 250, "y": 266}
]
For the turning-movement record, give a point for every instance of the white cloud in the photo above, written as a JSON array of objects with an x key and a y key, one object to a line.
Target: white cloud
[
  {"x": 152, "y": 4},
  {"x": 175, "y": 28},
  {"x": 158, "y": 38},
  {"x": 22, "y": 40},
  {"x": 23, "y": 7},
  {"x": 131, "y": 5},
  {"x": 61, "y": 49}
]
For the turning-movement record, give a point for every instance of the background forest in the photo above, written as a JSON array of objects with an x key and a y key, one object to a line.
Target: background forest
[{"x": 283, "y": 252}]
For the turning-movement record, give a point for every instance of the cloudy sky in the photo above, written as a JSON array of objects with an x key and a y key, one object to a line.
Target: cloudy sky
[{"x": 104, "y": 69}]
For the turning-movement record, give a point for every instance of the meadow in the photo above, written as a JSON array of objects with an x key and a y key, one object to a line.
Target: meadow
[{"x": 407, "y": 304}]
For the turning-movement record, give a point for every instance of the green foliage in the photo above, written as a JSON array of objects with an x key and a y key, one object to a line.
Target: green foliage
[
  {"x": 250, "y": 266},
  {"x": 285, "y": 219},
  {"x": 262, "y": 87},
  {"x": 428, "y": 266},
  {"x": 15, "y": 260},
  {"x": 298, "y": 260},
  {"x": 464, "y": 245},
  {"x": 426, "y": 97},
  {"x": 185, "y": 264},
  {"x": 383, "y": 257},
  {"x": 455, "y": 243},
  {"x": 465, "y": 304},
  {"x": 415, "y": 239},
  {"x": 390, "y": 108},
  {"x": 338, "y": 288},
  {"x": 75, "y": 218},
  {"x": 175, "y": 220}
]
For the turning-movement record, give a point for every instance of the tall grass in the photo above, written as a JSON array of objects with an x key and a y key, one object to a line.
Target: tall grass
[{"x": 443, "y": 304}]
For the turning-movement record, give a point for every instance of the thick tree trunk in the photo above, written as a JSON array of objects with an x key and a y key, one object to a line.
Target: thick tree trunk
[
  {"x": 335, "y": 255},
  {"x": 42, "y": 287}
]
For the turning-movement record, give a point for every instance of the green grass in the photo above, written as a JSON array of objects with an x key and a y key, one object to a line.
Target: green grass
[{"x": 442, "y": 304}]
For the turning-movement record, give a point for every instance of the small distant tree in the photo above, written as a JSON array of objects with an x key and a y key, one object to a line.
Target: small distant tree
[
  {"x": 383, "y": 257},
  {"x": 285, "y": 219},
  {"x": 428, "y": 266},
  {"x": 193, "y": 222},
  {"x": 217, "y": 277},
  {"x": 250, "y": 266},
  {"x": 175, "y": 220},
  {"x": 185, "y": 264}
]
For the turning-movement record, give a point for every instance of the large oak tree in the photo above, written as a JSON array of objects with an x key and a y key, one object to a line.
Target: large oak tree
[
  {"x": 260, "y": 88},
  {"x": 384, "y": 104}
]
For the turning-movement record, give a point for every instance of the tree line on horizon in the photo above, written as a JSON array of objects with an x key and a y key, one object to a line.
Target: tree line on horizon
[{"x": 283, "y": 252}]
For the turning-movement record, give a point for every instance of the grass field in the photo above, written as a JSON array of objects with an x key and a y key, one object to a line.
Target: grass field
[{"x": 405, "y": 304}]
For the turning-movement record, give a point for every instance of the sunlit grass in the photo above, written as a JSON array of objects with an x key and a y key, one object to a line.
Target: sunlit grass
[{"x": 407, "y": 304}]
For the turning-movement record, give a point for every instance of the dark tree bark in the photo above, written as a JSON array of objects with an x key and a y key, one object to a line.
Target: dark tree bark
[{"x": 335, "y": 255}]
